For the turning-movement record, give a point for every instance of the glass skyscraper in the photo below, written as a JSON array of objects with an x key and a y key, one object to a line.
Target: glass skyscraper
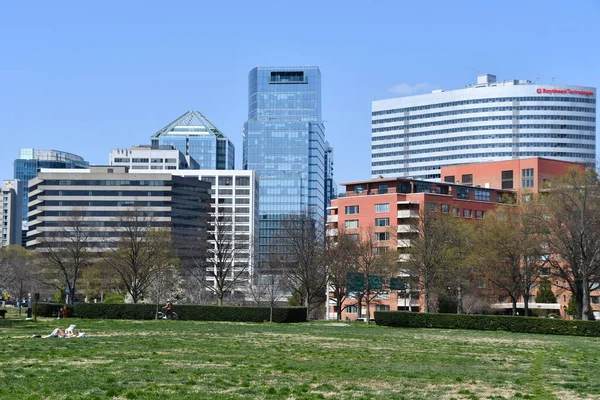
[
  {"x": 31, "y": 161},
  {"x": 194, "y": 135},
  {"x": 284, "y": 141}
]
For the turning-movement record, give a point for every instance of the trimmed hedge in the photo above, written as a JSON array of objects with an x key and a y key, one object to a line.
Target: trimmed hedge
[
  {"x": 51, "y": 309},
  {"x": 191, "y": 312},
  {"x": 488, "y": 323}
]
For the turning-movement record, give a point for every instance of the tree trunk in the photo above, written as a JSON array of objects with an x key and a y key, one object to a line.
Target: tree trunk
[
  {"x": 514, "y": 305},
  {"x": 585, "y": 302},
  {"x": 578, "y": 299},
  {"x": 220, "y": 299},
  {"x": 459, "y": 308},
  {"x": 426, "y": 298},
  {"x": 339, "y": 308},
  {"x": 271, "y": 313},
  {"x": 368, "y": 304},
  {"x": 526, "y": 303}
]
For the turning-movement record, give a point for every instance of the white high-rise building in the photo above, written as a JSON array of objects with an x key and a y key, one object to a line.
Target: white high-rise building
[
  {"x": 11, "y": 211},
  {"x": 488, "y": 121}
]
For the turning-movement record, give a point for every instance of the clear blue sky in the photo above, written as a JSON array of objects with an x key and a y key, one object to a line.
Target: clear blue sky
[{"x": 86, "y": 77}]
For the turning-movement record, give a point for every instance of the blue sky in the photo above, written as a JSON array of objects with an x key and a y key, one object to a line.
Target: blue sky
[{"x": 86, "y": 77}]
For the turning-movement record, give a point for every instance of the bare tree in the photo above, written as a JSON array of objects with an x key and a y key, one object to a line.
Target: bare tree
[
  {"x": 432, "y": 250},
  {"x": 303, "y": 240},
  {"x": 341, "y": 256},
  {"x": 213, "y": 263},
  {"x": 142, "y": 252},
  {"x": 375, "y": 260},
  {"x": 16, "y": 266},
  {"x": 66, "y": 253},
  {"x": 510, "y": 252},
  {"x": 268, "y": 288},
  {"x": 572, "y": 227}
]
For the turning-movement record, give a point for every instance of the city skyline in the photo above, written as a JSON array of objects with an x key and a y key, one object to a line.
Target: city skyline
[{"x": 71, "y": 84}]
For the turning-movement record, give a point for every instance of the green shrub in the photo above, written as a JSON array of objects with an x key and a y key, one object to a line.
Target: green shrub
[
  {"x": 51, "y": 309},
  {"x": 191, "y": 312},
  {"x": 488, "y": 323},
  {"x": 114, "y": 298}
]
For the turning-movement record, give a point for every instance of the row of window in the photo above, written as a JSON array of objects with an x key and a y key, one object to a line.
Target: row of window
[
  {"x": 483, "y": 146},
  {"x": 379, "y": 208},
  {"x": 93, "y": 182},
  {"x": 487, "y": 137},
  {"x": 462, "y": 156},
  {"x": 488, "y": 100},
  {"x": 513, "y": 118},
  {"x": 478, "y": 128},
  {"x": 486, "y": 109}
]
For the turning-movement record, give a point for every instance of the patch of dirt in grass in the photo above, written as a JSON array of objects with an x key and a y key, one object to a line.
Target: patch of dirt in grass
[
  {"x": 466, "y": 390},
  {"x": 87, "y": 362}
]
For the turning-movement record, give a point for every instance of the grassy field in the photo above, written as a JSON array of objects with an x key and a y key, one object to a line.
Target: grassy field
[{"x": 212, "y": 360}]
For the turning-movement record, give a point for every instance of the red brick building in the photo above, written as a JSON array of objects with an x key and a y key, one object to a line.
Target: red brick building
[
  {"x": 378, "y": 205},
  {"x": 467, "y": 191}
]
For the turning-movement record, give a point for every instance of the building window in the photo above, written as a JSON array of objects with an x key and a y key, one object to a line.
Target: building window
[
  {"x": 466, "y": 213},
  {"x": 352, "y": 309},
  {"x": 382, "y": 307},
  {"x": 480, "y": 284},
  {"x": 382, "y": 236},
  {"x": 467, "y": 179},
  {"x": 479, "y": 214},
  {"x": 527, "y": 178},
  {"x": 351, "y": 210},
  {"x": 353, "y": 237},
  {"x": 545, "y": 271},
  {"x": 431, "y": 207},
  {"x": 445, "y": 208},
  {"x": 225, "y": 181},
  {"x": 449, "y": 179},
  {"x": 242, "y": 181},
  {"x": 404, "y": 188},
  {"x": 462, "y": 193},
  {"x": 382, "y": 222},
  {"x": 455, "y": 212},
  {"x": 358, "y": 189},
  {"x": 507, "y": 179},
  {"x": 351, "y": 224},
  {"x": 380, "y": 250},
  {"x": 482, "y": 195},
  {"x": 381, "y": 208},
  {"x": 383, "y": 189}
]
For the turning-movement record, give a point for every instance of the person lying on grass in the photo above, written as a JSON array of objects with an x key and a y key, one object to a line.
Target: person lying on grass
[{"x": 70, "y": 332}]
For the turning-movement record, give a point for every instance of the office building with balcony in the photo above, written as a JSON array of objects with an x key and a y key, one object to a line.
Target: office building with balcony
[
  {"x": 284, "y": 142},
  {"x": 196, "y": 137},
  {"x": 11, "y": 209},
  {"x": 415, "y": 136}
]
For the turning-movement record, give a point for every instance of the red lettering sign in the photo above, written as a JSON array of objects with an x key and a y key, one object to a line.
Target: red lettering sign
[{"x": 565, "y": 91}]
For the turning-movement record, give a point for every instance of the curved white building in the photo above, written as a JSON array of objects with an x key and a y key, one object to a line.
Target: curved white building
[{"x": 489, "y": 121}]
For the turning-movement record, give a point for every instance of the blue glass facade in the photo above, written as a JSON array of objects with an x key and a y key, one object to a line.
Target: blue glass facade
[
  {"x": 196, "y": 136},
  {"x": 284, "y": 141},
  {"x": 31, "y": 161}
]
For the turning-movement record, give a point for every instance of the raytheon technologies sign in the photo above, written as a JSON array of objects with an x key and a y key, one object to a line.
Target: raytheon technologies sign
[{"x": 565, "y": 91}]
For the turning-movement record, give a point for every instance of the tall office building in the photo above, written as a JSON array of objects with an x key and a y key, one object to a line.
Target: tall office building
[
  {"x": 31, "y": 161},
  {"x": 194, "y": 135},
  {"x": 11, "y": 210},
  {"x": 100, "y": 199},
  {"x": 416, "y": 136},
  {"x": 284, "y": 141}
]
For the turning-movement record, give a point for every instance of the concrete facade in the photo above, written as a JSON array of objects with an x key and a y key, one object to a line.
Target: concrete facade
[
  {"x": 11, "y": 210},
  {"x": 415, "y": 136}
]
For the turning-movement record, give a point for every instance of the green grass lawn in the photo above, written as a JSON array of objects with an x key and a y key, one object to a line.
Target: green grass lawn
[{"x": 216, "y": 360}]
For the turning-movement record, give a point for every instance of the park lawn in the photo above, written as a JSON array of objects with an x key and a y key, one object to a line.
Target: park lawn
[{"x": 216, "y": 360}]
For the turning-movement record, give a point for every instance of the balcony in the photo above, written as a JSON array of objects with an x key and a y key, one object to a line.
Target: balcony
[
  {"x": 403, "y": 243},
  {"x": 332, "y": 232},
  {"x": 332, "y": 218},
  {"x": 403, "y": 257},
  {"x": 408, "y": 213},
  {"x": 407, "y": 229}
]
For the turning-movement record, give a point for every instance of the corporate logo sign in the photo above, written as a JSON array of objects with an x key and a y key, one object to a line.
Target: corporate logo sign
[{"x": 565, "y": 91}]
